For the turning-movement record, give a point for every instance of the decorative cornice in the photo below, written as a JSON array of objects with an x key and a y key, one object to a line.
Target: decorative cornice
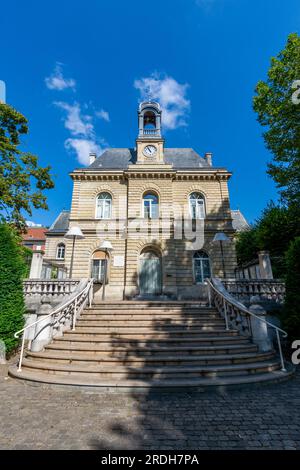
[{"x": 177, "y": 175}]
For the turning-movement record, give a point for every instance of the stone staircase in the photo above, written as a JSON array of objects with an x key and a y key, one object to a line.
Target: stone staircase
[{"x": 145, "y": 344}]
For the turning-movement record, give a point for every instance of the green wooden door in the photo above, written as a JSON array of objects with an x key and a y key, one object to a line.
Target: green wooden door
[{"x": 150, "y": 276}]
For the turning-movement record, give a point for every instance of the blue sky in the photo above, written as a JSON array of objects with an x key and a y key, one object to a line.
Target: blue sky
[{"x": 77, "y": 69}]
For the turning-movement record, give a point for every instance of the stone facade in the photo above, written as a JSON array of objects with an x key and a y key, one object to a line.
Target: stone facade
[{"x": 130, "y": 233}]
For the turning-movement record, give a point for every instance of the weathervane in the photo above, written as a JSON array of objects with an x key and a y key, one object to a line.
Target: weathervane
[{"x": 149, "y": 94}]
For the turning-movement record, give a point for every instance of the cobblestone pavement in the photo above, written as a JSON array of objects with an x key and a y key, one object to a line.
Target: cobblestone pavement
[{"x": 36, "y": 416}]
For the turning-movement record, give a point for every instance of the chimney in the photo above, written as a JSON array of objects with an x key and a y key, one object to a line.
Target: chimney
[
  {"x": 93, "y": 157},
  {"x": 208, "y": 158}
]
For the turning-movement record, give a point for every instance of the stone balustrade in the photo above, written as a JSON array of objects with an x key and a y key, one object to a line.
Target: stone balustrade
[
  {"x": 49, "y": 287},
  {"x": 267, "y": 289}
]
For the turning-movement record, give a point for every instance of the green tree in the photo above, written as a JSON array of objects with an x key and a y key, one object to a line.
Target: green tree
[
  {"x": 13, "y": 270},
  {"x": 273, "y": 231},
  {"x": 22, "y": 180},
  {"x": 291, "y": 314},
  {"x": 247, "y": 245},
  {"x": 281, "y": 116}
]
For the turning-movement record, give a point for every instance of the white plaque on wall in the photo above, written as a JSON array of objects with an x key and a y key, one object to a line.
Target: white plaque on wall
[{"x": 119, "y": 260}]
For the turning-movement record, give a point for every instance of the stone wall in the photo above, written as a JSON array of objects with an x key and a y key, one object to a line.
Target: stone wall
[{"x": 127, "y": 189}]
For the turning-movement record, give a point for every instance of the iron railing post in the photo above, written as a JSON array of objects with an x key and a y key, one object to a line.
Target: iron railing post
[
  {"x": 74, "y": 314},
  {"x": 91, "y": 293},
  {"x": 280, "y": 352},
  {"x": 22, "y": 352},
  {"x": 225, "y": 313}
]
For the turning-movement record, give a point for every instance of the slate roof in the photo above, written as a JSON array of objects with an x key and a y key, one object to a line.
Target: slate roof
[
  {"x": 239, "y": 223},
  {"x": 120, "y": 158},
  {"x": 61, "y": 223}
]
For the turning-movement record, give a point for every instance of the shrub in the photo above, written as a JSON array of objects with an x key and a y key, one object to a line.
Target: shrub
[
  {"x": 291, "y": 314},
  {"x": 12, "y": 271}
]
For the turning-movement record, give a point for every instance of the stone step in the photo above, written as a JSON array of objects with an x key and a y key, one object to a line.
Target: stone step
[
  {"x": 149, "y": 316},
  {"x": 214, "y": 383},
  {"x": 174, "y": 322},
  {"x": 149, "y": 303},
  {"x": 67, "y": 357},
  {"x": 146, "y": 310},
  {"x": 88, "y": 348},
  {"x": 145, "y": 348},
  {"x": 145, "y": 332},
  {"x": 148, "y": 372}
]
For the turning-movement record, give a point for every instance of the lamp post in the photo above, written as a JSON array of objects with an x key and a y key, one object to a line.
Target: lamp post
[
  {"x": 74, "y": 233},
  {"x": 107, "y": 248},
  {"x": 221, "y": 237}
]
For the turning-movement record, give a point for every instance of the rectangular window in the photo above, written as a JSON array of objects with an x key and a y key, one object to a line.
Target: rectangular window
[
  {"x": 197, "y": 208},
  {"x": 98, "y": 269},
  {"x": 150, "y": 209},
  {"x": 104, "y": 209}
]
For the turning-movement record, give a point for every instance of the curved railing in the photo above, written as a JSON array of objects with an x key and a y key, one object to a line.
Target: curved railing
[
  {"x": 63, "y": 315},
  {"x": 238, "y": 316}
]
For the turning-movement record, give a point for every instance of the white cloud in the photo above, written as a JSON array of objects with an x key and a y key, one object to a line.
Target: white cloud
[
  {"x": 170, "y": 94},
  {"x": 103, "y": 115},
  {"x": 76, "y": 122},
  {"x": 30, "y": 223},
  {"x": 56, "y": 81},
  {"x": 83, "y": 140},
  {"x": 83, "y": 147}
]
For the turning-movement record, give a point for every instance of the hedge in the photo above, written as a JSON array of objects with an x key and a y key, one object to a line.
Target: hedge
[
  {"x": 12, "y": 271},
  {"x": 291, "y": 317}
]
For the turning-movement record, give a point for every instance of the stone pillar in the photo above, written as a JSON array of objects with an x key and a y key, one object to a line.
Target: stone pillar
[
  {"x": 260, "y": 333},
  {"x": 36, "y": 265},
  {"x": 265, "y": 266},
  {"x": 43, "y": 329},
  {"x": 2, "y": 352}
]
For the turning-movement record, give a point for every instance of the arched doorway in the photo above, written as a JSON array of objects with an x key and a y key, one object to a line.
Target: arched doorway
[
  {"x": 150, "y": 272},
  {"x": 201, "y": 267}
]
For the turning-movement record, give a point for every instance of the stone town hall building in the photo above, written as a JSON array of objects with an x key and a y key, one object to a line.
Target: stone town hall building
[{"x": 159, "y": 207}]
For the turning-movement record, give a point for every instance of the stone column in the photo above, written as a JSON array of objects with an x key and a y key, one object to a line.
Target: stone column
[
  {"x": 43, "y": 329},
  {"x": 36, "y": 265},
  {"x": 2, "y": 352},
  {"x": 260, "y": 333},
  {"x": 265, "y": 266}
]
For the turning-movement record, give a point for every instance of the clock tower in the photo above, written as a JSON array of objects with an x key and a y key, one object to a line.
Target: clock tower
[{"x": 150, "y": 144}]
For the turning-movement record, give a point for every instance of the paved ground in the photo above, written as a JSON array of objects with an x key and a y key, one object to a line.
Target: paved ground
[{"x": 35, "y": 416}]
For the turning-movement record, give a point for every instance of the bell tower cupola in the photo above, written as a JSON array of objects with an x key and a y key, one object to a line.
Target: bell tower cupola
[{"x": 149, "y": 141}]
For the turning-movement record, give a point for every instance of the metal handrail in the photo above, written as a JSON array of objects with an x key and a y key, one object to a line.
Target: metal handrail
[
  {"x": 246, "y": 311},
  {"x": 88, "y": 289}
]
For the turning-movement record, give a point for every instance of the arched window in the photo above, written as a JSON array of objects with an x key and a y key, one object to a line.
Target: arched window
[
  {"x": 150, "y": 205},
  {"x": 149, "y": 120},
  {"x": 104, "y": 206},
  {"x": 201, "y": 267},
  {"x": 60, "y": 251},
  {"x": 197, "y": 206},
  {"x": 100, "y": 266}
]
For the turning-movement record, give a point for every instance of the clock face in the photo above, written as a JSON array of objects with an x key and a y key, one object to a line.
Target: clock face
[{"x": 150, "y": 150}]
